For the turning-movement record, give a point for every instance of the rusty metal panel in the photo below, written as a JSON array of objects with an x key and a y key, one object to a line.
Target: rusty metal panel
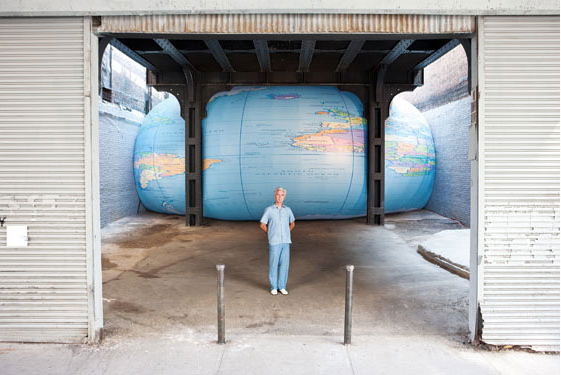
[{"x": 288, "y": 24}]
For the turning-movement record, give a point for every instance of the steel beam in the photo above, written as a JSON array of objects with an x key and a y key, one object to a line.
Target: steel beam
[
  {"x": 219, "y": 54},
  {"x": 191, "y": 112},
  {"x": 174, "y": 53},
  {"x": 262, "y": 52},
  {"x": 133, "y": 55},
  {"x": 468, "y": 49},
  {"x": 306, "y": 54},
  {"x": 352, "y": 50},
  {"x": 284, "y": 78},
  {"x": 187, "y": 89},
  {"x": 437, "y": 54},
  {"x": 273, "y": 51},
  {"x": 378, "y": 113},
  {"x": 399, "y": 49},
  {"x": 190, "y": 101},
  {"x": 358, "y": 79},
  {"x": 102, "y": 45},
  {"x": 381, "y": 95},
  {"x": 380, "y": 78}
]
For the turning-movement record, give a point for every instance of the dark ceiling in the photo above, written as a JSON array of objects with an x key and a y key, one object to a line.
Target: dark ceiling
[{"x": 247, "y": 55}]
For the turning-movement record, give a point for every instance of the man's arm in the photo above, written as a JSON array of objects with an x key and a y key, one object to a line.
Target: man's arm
[
  {"x": 264, "y": 220},
  {"x": 292, "y": 220}
]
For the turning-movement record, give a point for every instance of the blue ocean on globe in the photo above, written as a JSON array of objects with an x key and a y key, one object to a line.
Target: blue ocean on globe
[{"x": 308, "y": 139}]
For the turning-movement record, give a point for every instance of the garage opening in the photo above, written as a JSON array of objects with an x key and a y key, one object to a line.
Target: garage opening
[{"x": 159, "y": 273}]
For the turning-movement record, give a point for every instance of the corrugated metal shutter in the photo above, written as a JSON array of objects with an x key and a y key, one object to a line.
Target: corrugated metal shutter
[
  {"x": 519, "y": 180},
  {"x": 44, "y": 287}
]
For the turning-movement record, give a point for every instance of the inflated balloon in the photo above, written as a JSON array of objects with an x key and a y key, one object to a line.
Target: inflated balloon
[{"x": 309, "y": 140}]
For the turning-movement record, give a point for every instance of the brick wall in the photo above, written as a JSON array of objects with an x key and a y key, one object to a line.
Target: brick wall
[
  {"x": 450, "y": 130},
  {"x": 444, "y": 100},
  {"x": 117, "y": 133},
  {"x": 445, "y": 81}
]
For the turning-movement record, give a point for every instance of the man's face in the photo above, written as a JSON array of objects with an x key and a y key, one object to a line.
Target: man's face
[{"x": 279, "y": 196}]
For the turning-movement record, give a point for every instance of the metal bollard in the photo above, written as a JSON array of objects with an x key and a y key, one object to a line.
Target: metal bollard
[
  {"x": 220, "y": 300},
  {"x": 349, "y": 304}
]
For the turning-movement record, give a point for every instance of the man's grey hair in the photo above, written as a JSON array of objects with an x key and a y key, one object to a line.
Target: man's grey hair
[{"x": 280, "y": 188}]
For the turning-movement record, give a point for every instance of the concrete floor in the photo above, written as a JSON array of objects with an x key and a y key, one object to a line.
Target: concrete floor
[
  {"x": 410, "y": 316},
  {"x": 186, "y": 353},
  {"x": 160, "y": 276}
]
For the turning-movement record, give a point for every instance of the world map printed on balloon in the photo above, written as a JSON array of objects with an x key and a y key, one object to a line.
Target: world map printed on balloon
[
  {"x": 410, "y": 158},
  {"x": 159, "y": 159},
  {"x": 310, "y": 140}
]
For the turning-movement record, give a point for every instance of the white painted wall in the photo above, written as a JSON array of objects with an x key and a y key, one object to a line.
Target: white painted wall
[{"x": 142, "y": 7}]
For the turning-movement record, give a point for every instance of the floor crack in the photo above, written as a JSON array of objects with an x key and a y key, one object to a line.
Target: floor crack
[
  {"x": 348, "y": 351},
  {"x": 220, "y": 359}
]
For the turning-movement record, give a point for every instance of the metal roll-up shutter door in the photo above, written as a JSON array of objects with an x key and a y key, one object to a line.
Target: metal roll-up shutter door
[
  {"x": 519, "y": 180},
  {"x": 43, "y": 287}
]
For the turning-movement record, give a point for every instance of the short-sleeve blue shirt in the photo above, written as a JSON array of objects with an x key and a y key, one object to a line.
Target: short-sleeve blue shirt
[{"x": 278, "y": 224}]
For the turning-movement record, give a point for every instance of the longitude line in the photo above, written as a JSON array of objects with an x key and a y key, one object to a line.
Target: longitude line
[
  {"x": 240, "y": 152},
  {"x": 154, "y": 166},
  {"x": 352, "y": 150}
]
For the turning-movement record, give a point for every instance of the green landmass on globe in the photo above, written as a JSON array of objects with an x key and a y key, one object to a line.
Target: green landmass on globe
[
  {"x": 335, "y": 136},
  {"x": 157, "y": 166},
  {"x": 154, "y": 166},
  {"x": 409, "y": 154}
]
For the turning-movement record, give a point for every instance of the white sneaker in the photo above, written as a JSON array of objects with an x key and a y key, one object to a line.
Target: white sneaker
[
  {"x": 274, "y": 292},
  {"x": 284, "y": 291}
]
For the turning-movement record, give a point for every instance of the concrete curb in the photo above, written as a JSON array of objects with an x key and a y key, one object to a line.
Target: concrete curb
[{"x": 456, "y": 269}]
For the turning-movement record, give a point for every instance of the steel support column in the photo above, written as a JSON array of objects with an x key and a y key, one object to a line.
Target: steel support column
[
  {"x": 189, "y": 96},
  {"x": 377, "y": 115},
  {"x": 191, "y": 112},
  {"x": 380, "y": 96}
]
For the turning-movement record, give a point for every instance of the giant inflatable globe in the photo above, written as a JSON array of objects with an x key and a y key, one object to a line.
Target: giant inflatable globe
[{"x": 309, "y": 140}]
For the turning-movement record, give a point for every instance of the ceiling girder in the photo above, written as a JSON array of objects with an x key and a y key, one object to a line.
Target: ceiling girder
[
  {"x": 306, "y": 54},
  {"x": 262, "y": 52},
  {"x": 352, "y": 50},
  {"x": 343, "y": 58},
  {"x": 174, "y": 53},
  {"x": 437, "y": 54},
  {"x": 271, "y": 52},
  {"x": 396, "y": 51},
  {"x": 132, "y": 54},
  {"x": 219, "y": 54}
]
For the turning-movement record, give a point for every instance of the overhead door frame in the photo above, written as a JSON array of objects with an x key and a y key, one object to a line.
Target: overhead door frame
[
  {"x": 477, "y": 303},
  {"x": 93, "y": 272},
  {"x": 324, "y": 26}
]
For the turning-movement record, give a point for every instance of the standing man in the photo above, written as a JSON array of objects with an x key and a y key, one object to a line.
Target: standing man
[{"x": 278, "y": 222}]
